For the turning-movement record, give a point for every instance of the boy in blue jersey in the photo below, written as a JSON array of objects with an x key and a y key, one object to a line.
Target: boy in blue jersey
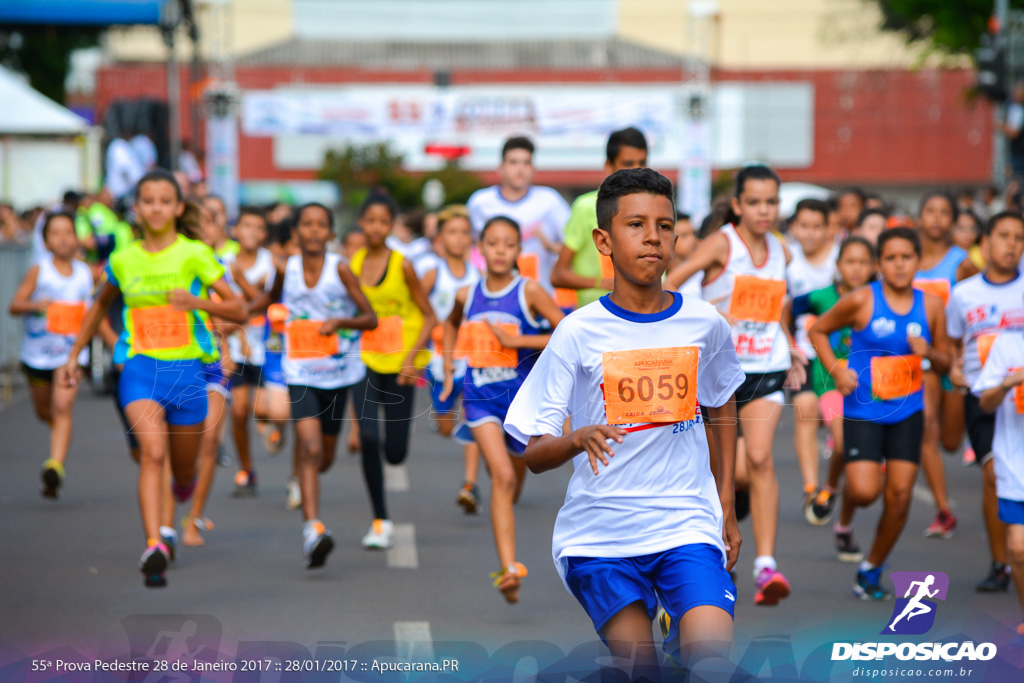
[{"x": 648, "y": 516}]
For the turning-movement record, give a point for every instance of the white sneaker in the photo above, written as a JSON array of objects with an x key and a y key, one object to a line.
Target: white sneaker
[
  {"x": 317, "y": 543},
  {"x": 379, "y": 535},
  {"x": 293, "y": 499}
]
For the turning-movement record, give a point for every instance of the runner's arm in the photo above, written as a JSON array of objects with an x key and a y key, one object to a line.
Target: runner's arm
[{"x": 711, "y": 252}]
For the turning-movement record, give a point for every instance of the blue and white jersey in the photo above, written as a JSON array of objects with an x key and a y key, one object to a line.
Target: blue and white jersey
[
  {"x": 658, "y": 492},
  {"x": 489, "y": 391}
]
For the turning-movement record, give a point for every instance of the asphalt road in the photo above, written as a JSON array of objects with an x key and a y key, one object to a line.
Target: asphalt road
[{"x": 69, "y": 577}]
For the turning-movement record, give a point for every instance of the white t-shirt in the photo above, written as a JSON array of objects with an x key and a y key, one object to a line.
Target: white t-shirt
[
  {"x": 123, "y": 168},
  {"x": 804, "y": 277},
  {"x": 145, "y": 151},
  {"x": 1007, "y": 352},
  {"x": 978, "y": 308},
  {"x": 40, "y": 347},
  {"x": 658, "y": 491},
  {"x": 541, "y": 211},
  {"x": 694, "y": 286}
]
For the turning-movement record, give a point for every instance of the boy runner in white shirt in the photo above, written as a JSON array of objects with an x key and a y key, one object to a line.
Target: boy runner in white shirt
[
  {"x": 648, "y": 516},
  {"x": 1000, "y": 387}
]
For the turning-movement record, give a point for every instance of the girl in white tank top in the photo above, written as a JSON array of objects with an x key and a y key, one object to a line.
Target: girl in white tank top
[
  {"x": 745, "y": 278},
  {"x": 53, "y": 297}
]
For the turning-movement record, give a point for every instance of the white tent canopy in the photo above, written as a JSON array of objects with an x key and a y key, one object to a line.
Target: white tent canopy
[
  {"x": 27, "y": 112},
  {"x": 45, "y": 149}
]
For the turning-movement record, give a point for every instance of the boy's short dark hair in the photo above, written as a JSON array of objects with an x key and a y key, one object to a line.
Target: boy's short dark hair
[
  {"x": 815, "y": 205},
  {"x": 852, "y": 240},
  {"x": 252, "y": 211},
  {"x": 867, "y": 213},
  {"x": 627, "y": 137},
  {"x": 1002, "y": 215},
  {"x": 856, "y": 191},
  {"x": 50, "y": 217},
  {"x": 682, "y": 216},
  {"x": 626, "y": 182},
  {"x": 908, "y": 234},
  {"x": 518, "y": 142}
]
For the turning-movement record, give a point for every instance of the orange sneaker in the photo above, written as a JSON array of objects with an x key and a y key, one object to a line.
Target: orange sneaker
[
  {"x": 509, "y": 579},
  {"x": 771, "y": 587}
]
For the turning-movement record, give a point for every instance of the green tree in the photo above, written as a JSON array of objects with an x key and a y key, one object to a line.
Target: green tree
[
  {"x": 952, "y": 26},
  {"x": 43, "y": 53}
]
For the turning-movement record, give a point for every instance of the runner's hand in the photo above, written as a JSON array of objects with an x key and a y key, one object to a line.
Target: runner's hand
[
  {"x": 593, "y": 439},
  {"x": 67, "y": 375},
  {"x": 182, "y": 300},
  {"x": 918, "y": 346},
  {"x": 730, "y": 535},
  {"x": 504, "y": 338},
  {"x": 846, "y": 381},
  {"x": 409, "y": 374}
]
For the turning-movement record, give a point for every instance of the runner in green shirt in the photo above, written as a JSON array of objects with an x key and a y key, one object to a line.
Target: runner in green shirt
[{"x": 579, "y": 265}]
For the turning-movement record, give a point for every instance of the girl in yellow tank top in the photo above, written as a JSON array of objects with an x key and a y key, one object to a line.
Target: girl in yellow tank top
[{"x": 395, "y": 354}]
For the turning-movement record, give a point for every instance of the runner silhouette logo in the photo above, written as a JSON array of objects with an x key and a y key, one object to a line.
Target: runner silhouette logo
[{"x": 916, "y": 593}]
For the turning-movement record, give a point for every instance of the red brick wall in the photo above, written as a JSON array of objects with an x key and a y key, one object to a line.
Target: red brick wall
[{"x": 878, "y": 127}]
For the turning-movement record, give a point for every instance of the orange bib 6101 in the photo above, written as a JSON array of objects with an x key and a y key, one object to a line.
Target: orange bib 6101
[
  {"x": 482, "y": 348},
  {"x": 529, "y": 266},
  {"x": 757, "y": 299},
  {"x": 306, "y": 342},
  {"x": 159, "y": 327},
  {"x": 65, "y": 317},
  {"x": 650, "y": 385},
  {"x": 387, "y": 338},
  {"x": 894, "y": 377}
]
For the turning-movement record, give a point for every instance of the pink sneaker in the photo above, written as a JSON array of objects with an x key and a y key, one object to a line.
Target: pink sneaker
[{"x": 771, "y": 587}]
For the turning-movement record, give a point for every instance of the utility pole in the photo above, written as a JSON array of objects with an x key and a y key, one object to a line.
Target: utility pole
[
  {"x": 170, "y": 17},
  {"x": 693, "y": 188},
  {"x": 1002, "y": 12}
]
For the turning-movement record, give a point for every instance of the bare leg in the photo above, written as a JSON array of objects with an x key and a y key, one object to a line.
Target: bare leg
[
  {"x": 899, "y": 486},
  {"x": 62, "y": 407},
  {"x": 629, "y": 638},
  {"x": 491, "y": 439},
  {"x": 149, "y": 425},
  {"x": 952, "y": 412},
  {"x": 759, "y": 419},
  {"x": 240, "y": 425},
  {"x": 1015, "y": 553},
  {"x": 806, "y": 417},
  {"x": 704, "y": 632},
  {"x": 931, "y": 458},
  {"x": 42, "y": 400},
  {"x": 208, "y": 444},
  {"x": 309, "y": 446},
  {"x": 994, "y": 527},
  {"x": 471, "y": 454}
]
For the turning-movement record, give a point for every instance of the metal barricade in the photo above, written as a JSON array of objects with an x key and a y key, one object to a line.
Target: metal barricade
[{"x": 15, "y": 260}]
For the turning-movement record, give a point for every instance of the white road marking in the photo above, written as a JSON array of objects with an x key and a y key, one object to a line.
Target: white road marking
[
  {"x": 413, "y": 642},
  {"x": 402, "y": 554},
  {"x": 396, "y": 478}
]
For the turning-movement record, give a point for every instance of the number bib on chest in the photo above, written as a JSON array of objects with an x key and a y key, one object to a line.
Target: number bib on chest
[
  {"x": 64, "y": 317},
  {"x": 305, "y": 340},
  {"x": 757, "y": 299},
  {"x": 387, "y": 338},
  {"x": 894, "y": 377},
  {"x": 985, "y": 342},
  {"x": 481, "y": 347},
  {"x": 159, "y": 327},
  {"x": 650, "y": 385}
]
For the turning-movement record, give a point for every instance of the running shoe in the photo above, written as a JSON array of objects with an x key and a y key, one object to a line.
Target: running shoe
[
  {"x": 53, "y": 478},
  {"x": 170, "y": 538},
  {"x": 273, "y": 440},
  {"x": 245, "y": 484},
  {"x": 819, "y": 512},
  {"x": 183, "y": 493},
  {"x": 379, "y": 535},
  {"x": 742, "y": 504},
  {"x": 847, "y": 548},
  {"x": 868, "y": 586},
  {"x": 509, "y": 579},
  {"x": 153, "y": 564},
  {"x": 317, "y": 543},
  {"x": 997, "y": 581},
  {"x": 969, "y": 457},
  {"x": 943, "y": 526},
  {"x": 810, "y": 492},
  {"x": 771, "y": 587},
  {"x": 468, "y": 498},
  {"x": 293, "y": 497}
]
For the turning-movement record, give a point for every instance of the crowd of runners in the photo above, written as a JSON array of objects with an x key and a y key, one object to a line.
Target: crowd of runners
[{"x": 655, "y": 354}]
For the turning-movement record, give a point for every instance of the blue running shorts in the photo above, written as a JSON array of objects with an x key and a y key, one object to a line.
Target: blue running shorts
[
  {"x": 179, "y": 386},
  {"x": 1011, "y": 511}
]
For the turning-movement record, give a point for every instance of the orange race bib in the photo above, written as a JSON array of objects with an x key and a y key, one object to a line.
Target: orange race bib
[
  {"x": 305, "y": 340},
  {"x": 277, "y": 314},
  {"x": 939, "y": 288},
  {"x": 482, "y": 348},
  {"x": 757, "y": 299},
  {"x": 894, "y": 377},
  {"x": 650, "y": 385},
  {"x": 565, "y": 298},
  {"x": 159, "y": 327},
  {"x": 529, "y": 266},
  {"x": 387, "y": 338},
  {"x": 607, "y": 269},
  {"x": 437, "y": 336},
  {"x": 985, "y": 342},
  {"x": 65, "y": 317}
]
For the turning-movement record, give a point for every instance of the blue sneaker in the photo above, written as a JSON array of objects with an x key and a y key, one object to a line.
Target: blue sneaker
[{"x": 869, "y": 585}]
